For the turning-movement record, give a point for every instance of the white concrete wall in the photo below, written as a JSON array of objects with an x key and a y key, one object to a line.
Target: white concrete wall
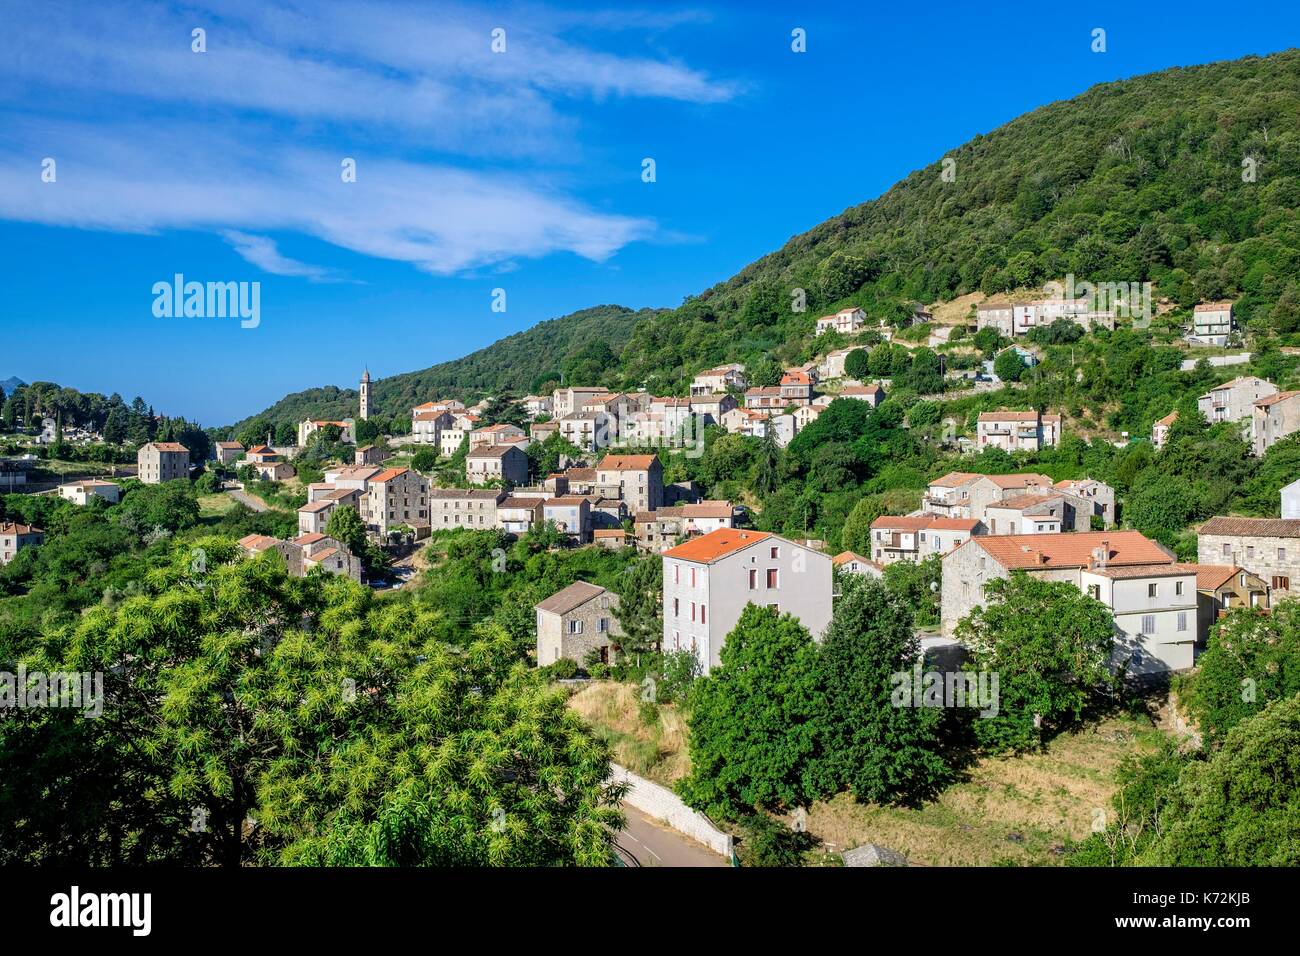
[{"x": 664, "y": 805}]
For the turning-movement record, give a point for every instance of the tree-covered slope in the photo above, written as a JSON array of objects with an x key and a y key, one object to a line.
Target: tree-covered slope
[
  {"x": 1135, "y": 180},
  {"x": 580, "y": 346},
  {"x": 1188, "y": 178}
]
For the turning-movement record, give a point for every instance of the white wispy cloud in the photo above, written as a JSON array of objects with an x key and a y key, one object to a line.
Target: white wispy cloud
[{"x": 246, "y": 139}]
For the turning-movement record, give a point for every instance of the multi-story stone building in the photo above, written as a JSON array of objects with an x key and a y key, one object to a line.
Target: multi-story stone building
[
  {"x": 1268, "y": 547},
  {"x": 227, "y": 452},
  {"x": 638, "y": 480},
  {"x": 916, "y": 537},
  {"x": 661, "y": 529},
  {"x": 997, "y": 313},
  {"x": 578, "y": 622},
  {"x": 474, "y": 508},
  {"x": 1026, "y": 514},
  {"x": 160, "y": 461},
  {"x": 1274, "y": 417},
  {"x": 396, "y": 497},
  {"x": 519, "y": 515},
  {"x": 1212, "y": 322},
  {"x": 488, "y": 462},
  {"x": 1017, "y": 431},
  {"x": 1152, "y": 598},
  {"x": 1234, "y": 401},
  {"x": 719, "y": 379},
  {"x": 709, "y": 580},
  {"x": 567, "y": 401},
  {"x": 346, "y": 428},
  {"x": 845, "y": 321},
  {"x": 571, "y": 515},
  {"x": 1222, "y": 587}
]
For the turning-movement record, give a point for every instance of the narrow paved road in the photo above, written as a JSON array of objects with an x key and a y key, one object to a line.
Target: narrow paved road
[
  {"x": 244, "y": 498},
  {"x": 654, "y": 844}
]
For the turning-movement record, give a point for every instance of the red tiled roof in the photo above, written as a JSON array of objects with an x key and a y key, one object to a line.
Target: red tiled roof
[
  {"x": 716, "y": 544},
  {"x": 1029, "y": 551},
  {"x": 1274, "y": 399},
  {"x": 1211, "y": 577},
  {"x": 1256, "y": 527},
  {"x": 10, "y": 527},
  {"x": 1005, "y": 416},
  {"x": 626, "y": 462}
]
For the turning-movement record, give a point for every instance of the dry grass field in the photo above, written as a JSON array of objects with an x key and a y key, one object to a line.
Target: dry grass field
[
  {"x": 649, "y": 740},
  {"x": 1011, "y": 811}
]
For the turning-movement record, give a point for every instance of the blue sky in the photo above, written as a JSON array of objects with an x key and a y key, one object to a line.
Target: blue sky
[{"x": 476, "y": 170}]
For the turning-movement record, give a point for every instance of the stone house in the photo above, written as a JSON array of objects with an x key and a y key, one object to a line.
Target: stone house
[
  {"x": 227, "y": 452},
  {"x": 1234, "y": 401},
  {"x": 1223, "y": 587},
  {"x": 1267, "y": 547},
  {"x": 845, "y": 321},
  {"x": 571, "y": 515},
  {"x": 489, "y": 462},
  {"x": 638, "y": 480},
  {"x": 518, "y": 515},
  {"x": 1017, "y": 431},
  {"x": 396, "y": 497},
  {"x": 464, "y": 507},
  {"x": 160, "y": 461},
  {"x": 1212, "y": 322},
  {"x": 1153, "y": 599},
  {"x": 576, "y": 623},
  {"x": 1273, "y": 419}
]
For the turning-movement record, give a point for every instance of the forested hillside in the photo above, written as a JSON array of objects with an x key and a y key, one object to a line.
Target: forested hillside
[
  {"x": 1188, "y": 178},
  {"x": 1136, "y": 180},
  {"x": 580, "y": 346}
]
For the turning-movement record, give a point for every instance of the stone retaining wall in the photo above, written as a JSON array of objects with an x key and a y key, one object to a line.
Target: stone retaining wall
[{"x": 665, "y": 806}]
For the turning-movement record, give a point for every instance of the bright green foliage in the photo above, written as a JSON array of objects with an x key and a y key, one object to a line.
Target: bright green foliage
[
  {"x": 1250, "y": 660},
  {"x": 1242, "y": 807},
  {"x": 640, "y": 605},
  {"x": 882, "y": 752},
  {"x": 1009, "y": 366},
  {"x": 337, "y": 722},
  {"x": 1050, "y": 645},
  {"x": 753, "y": 718}
]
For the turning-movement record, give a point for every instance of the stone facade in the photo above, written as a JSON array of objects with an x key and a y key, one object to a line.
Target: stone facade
[
  {"x": 1267, "y": 547},
  {"x": 576, "y": 622},
  {"x": 464, "y": 508},
  {"x": 160, "y": 461}
]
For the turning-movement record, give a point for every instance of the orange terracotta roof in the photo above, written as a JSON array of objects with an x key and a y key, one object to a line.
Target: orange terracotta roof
[
  {"x": 954, "y": 479},
  {"x": 708, "y": 548},
  {"x": 844, "y": 557},
  {"x": 1030, "y": 551},
  {"x": 1258, "y": 527},
  {"x": 168, "y": 446},
  {"x": 626, "y": 462},
  {"x": 1169, "y": 419},
  {"x": 1212, "y": 306},
  {"x": 1274, "y": 399},
  {"x": 1211, "y": 577},
  {"x": 10, "y": 527},
  {"x": 309, "y": 538},
  {"x": 389, "y": 474},
  {"x": 1008, "y": 416}
]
